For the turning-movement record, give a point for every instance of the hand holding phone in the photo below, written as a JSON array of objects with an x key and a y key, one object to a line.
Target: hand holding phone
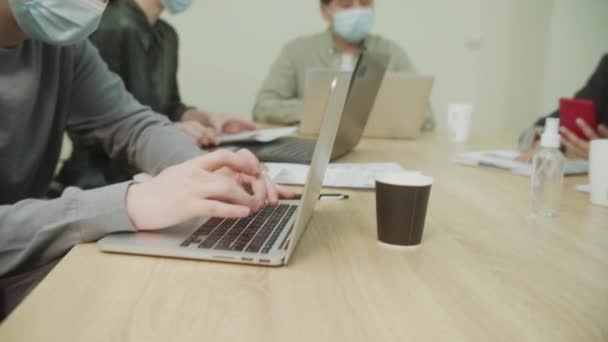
[{"x": 572, "y": 109}]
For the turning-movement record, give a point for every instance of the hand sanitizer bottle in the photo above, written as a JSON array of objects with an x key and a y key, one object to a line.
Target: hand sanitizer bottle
[{"x": 548, "y": 173}]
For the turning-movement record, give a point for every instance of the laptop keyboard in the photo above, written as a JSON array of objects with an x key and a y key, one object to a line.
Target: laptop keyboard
[
  {"x": 253, "y": 234},
  {"x": 286, "y": 150}
]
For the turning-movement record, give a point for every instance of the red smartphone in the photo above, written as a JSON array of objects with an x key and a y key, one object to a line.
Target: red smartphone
[{"x": 572, "y": 109}]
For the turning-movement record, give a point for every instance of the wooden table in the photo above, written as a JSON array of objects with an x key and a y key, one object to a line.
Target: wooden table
[{"x": 485, "y": 272}]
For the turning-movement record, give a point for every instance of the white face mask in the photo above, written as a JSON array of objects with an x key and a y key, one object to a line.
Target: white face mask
[
  {"x": 354, "y": 25},
  {"x": 58, "y": 22}
]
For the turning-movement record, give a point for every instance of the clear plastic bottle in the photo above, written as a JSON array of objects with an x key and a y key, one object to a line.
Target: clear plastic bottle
[{"x": 548, "y": 173}]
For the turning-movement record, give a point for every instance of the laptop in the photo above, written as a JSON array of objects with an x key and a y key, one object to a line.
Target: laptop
[
  {"x": 367, "y": 78},
  {"x": 268, "y": 237},
  {"x": 398, "y": 113}
]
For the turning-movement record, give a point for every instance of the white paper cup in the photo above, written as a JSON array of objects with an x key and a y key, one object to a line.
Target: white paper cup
[
  {"x": 598, "y": 172},
  {"x": 460, "y": 117}
]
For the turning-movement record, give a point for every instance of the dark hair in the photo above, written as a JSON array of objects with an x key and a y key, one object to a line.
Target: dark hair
[{"x": 325, "y": 2}]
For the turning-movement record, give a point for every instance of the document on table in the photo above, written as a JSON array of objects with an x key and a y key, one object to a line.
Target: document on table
[
  {"x": 586, "y": 188},
  {"x": 261, "y": 135},
  {"x": 338, "y": 175},
  {"x": 505, "y": 159}
]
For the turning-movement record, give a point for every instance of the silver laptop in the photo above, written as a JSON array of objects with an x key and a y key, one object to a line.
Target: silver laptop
[
  {"x": 266, "y": 238},
  {"x": 398, "y": 112},
  {"x": 367, "y": 79}
]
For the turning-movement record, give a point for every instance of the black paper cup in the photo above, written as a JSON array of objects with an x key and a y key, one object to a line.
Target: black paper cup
[{"x": 401, "y": 204}]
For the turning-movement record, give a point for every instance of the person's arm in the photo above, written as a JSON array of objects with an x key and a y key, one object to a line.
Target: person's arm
[
  {"x": 35, "y": 232},
  {"x": 276, "y": 102},
  {"x": 596, "y": 90},
  {"x": 177, "y": 108},
  {"x": 103, "y": 110},
  {"x": 400, "y": 61}
]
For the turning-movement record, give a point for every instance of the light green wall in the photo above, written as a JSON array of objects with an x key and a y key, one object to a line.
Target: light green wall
[{"x": 227, "y": 47}]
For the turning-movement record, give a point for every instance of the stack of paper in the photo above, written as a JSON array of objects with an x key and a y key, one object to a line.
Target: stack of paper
[
  {"x": 338, "y": 175},
  {"x": 505, "y": 159}
]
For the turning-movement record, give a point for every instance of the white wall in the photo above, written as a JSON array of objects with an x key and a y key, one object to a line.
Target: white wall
[{"x": 228, "y": 46}]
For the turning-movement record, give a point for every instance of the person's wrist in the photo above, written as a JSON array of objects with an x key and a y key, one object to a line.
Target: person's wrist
[{"x": 132, "y": 204}]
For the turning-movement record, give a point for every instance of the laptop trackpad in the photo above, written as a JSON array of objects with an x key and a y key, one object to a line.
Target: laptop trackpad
[{"x": 173, "y": 236}]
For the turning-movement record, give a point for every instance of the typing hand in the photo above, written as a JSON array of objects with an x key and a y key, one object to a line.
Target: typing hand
[
  {"x": 219, "y": 184},
  {"x": 233, "y": 124},
  {"x": 262, "y": 187}
]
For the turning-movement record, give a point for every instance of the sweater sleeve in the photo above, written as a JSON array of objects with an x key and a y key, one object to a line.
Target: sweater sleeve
[
  {"x": 277, "y": 102},
  {"x": 102, "y": 110},
  {"x": 34, "y": 232}
]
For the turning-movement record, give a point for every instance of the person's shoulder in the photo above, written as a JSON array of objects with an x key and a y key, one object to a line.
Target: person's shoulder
[
  {"x": 115, "y": 20},
  {"x": 382, "y": 44},
  {"x": 166, "y": 28},
  {"x": 47, "y": 51},
  {"x": 604, "y": 61},
  {"x": 400, "y": 61}
]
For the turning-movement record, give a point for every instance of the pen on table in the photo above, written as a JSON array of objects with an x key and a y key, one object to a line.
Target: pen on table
[{"x": 328, "y": 196}]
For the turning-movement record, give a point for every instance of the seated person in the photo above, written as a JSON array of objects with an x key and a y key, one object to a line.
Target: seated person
[
  {"x": 280, "y": 100},
  {"x": 595, "y": 90},
  {"x": 143, "y": 50},
  {"x": 52, "y": 80}
]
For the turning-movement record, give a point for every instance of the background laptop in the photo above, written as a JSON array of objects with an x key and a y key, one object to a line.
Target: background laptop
[
  {"x": 266, "y": 238},
  {"x": 399, "y": 110},
  {"x": 366, "y": 80}
]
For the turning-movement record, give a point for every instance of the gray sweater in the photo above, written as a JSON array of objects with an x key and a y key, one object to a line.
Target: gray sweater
[{"x": 44, "y": 91}]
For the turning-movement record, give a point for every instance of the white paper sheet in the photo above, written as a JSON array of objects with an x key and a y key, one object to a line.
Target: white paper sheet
[
  {"x": 586, "y": 188},
  {"x": 338, "y": 175},
  {"x": 505, "y": 159},
  {"x": 262, "y": 135}
]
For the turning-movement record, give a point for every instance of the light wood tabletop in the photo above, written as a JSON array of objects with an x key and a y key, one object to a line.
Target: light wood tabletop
[{"x": 484, "y": 272}]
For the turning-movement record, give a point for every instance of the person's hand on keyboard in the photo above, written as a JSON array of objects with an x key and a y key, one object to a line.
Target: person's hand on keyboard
[
  {"x": 218, "y": 184},
  {"x": 262, "y": 187}
]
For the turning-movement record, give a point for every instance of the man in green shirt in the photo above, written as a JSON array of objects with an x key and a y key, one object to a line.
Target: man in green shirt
[
  {"x": 280, "y": 101},
  {"x": 142, "y": 49}
]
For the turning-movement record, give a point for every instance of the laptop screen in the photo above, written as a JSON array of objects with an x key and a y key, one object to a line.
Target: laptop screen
[{"x": 368, "y": 74}]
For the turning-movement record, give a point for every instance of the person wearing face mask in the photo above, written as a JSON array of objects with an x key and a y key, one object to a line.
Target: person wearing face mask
[
  {"x": 280, "y": 99},
  {"x": 142, "y": 49},
  {"x": 52, "y": 80},
  {"x": 595, "y": 90}
]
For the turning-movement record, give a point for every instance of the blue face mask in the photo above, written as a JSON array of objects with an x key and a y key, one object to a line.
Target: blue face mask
[
  {"x": 58, "y": 22},
  {"x": 354, "y": 25},
  {"x": 177, "y": 6}
]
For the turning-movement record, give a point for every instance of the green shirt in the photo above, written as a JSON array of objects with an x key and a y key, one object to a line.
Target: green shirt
[
  {"x": 280, "y": 101},
  {"x": 144, "y": 56}
]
